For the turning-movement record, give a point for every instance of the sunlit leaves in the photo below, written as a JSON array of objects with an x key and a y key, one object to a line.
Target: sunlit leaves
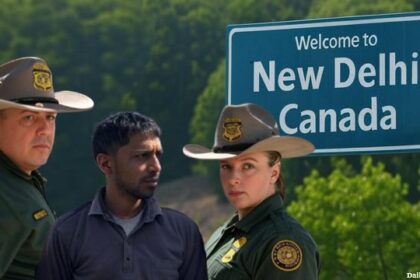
[{"x": 362, "y": 222}]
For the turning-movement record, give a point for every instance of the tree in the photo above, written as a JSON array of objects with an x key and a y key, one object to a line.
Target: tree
[
  {"x": 364, "y": 227},
  {"x": 334, "y": 8},
  {"x": 251, "y": 11},
  {"x": 203, "y": 123}
]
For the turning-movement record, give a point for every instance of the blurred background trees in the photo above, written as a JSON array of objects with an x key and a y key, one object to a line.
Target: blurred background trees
[
  {"x": 166, "y": 59},
  {"x": 362, "y": 222}
]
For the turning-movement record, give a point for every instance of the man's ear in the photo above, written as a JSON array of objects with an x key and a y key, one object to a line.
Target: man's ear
[{"x": 104, "y": 163}]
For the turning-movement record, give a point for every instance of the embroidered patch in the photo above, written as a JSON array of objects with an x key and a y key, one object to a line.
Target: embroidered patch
[
  {"x": 286, "y": 255},
  {"x": 40, "y": 214},
  {"x": 42, "y": 77},
  {"x": 237, "y": 244},
  {"x": 232, "y": 128}
]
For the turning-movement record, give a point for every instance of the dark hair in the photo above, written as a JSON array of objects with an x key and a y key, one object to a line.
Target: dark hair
[
  {"x": 116, "y": 130},
  {"x": 273, "y": 158}
]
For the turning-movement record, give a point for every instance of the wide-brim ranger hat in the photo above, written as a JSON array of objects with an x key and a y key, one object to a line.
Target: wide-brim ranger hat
[
  {"x": 26, "y": 83},
  {"x": 247, "y": 128}
]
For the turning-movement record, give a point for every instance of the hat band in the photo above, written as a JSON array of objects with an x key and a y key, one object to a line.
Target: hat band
[
  {"x": 34, "y": 100},
  {"x": 232, "y": 148}
]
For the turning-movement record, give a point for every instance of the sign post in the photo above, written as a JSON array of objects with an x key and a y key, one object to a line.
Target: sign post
[{"x": 348, "y": 85}]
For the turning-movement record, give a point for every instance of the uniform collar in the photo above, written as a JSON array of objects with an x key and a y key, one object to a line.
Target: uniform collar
[
  {"x": 233, "y": 225},
  {"x": 98, "y": 207},
  {"x": 259, "y": 213},
  {"x": 35, "y": 178}
]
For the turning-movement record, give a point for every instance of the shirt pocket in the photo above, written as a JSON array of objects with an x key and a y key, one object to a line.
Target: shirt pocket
[
  {"x": 165, "y": 270},
  {"x": 222, "y": 271}
]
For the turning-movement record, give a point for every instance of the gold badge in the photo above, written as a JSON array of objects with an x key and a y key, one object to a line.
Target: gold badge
[
  {"x": 42, "y": 77},
  {"x": 237, "y": 244},
  {"x": 232, "y": 128},
  {"x": 287, "y": 255},
  {"x": 40, "y": 214}
]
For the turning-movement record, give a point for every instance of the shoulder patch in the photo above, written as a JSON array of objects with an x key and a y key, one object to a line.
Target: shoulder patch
[{"x": 286, "y": 255}]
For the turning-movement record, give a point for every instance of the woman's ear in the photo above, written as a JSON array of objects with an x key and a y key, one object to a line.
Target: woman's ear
[
  {"x": 275, "y": 172},
  {"x": 104, "y": 163}
]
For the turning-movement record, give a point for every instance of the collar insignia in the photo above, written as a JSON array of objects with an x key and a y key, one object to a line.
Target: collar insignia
[{"x": 237, "y": 244}]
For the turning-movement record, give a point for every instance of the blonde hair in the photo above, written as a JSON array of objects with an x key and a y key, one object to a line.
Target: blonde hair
[{"x": 273, "y": 158}]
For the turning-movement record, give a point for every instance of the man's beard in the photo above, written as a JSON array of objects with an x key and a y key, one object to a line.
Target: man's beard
[{"x": 137, "y": 191}]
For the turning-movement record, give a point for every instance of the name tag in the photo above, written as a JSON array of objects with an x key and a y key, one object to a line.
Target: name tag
[{"x": 40, "y": 214}]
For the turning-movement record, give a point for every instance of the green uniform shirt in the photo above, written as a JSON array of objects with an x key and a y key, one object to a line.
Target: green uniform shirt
[
  {"x": 25, "y": 219},
  {"x": 267, "y": 244}
]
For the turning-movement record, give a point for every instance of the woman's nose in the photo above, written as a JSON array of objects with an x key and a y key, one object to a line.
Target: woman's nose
[{"x": 234, "y": 178}]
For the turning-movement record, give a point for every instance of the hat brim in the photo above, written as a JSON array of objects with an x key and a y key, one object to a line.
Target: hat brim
[
  {"x": 68, "y": 101},
  {"x": 287, "y": 146}
]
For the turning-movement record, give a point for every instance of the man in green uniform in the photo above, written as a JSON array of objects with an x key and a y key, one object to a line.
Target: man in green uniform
[{"x": 28, "y": 110}]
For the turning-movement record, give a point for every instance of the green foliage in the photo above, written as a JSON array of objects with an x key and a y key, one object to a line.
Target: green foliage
[
  {"x": 334, "y": 8},
  {"x": 248, "y": 11},
  {"x": 362, "y": 223},
  {"x": 203, "y": 123}
]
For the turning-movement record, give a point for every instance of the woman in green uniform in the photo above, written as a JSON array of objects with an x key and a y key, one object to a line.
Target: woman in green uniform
[{"x": 261, "y": 241}]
